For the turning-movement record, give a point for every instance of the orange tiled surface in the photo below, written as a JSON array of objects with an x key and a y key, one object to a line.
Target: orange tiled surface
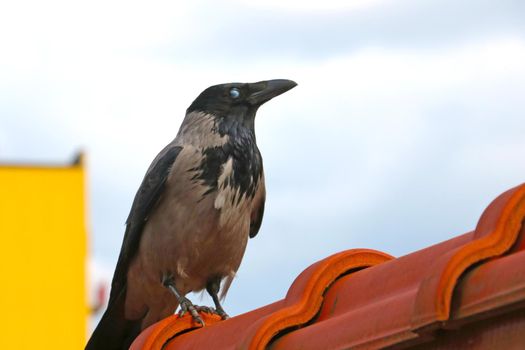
[{"x": 366, "y": 299}]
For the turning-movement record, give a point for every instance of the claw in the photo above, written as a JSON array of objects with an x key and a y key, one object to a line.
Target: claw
[
  {"x": 196, "y": 316},
  {"x": 187, "y": 306}
]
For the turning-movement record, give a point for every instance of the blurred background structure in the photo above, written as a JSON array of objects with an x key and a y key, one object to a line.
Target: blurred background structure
[
  {"x": 42, "y": 256},
  {"x": 407, "y": 112}
]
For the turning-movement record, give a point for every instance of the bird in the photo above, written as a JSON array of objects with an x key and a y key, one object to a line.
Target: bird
[{"x": 201, "y": 199}]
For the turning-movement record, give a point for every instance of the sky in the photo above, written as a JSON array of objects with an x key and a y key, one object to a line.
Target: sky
[{"x": 406, "y": 123}]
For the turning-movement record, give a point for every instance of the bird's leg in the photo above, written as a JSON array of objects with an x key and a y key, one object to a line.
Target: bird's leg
[
  {"x": 213, "y": 289},
  {"x": 185, "y": 304}
]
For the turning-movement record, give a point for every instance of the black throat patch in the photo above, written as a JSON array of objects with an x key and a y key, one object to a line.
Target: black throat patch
[{"x": 247, "y": 165}]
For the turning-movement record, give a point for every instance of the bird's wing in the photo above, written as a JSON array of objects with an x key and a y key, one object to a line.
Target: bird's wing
[
  {"x": 145, "y": 200},
  {"x": 258, "y": 209}
]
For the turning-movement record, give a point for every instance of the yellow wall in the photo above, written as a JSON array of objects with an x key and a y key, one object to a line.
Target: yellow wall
[{"x": 42, "y": 257}]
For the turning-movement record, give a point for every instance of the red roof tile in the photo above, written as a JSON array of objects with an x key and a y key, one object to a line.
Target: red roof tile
[{"x": 365, "y": 299}]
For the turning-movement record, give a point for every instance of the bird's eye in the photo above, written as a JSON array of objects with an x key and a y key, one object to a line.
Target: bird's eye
[{"x": 235, "y": 93}]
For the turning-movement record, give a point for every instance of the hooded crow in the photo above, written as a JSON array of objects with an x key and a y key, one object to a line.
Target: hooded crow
[{"x": 200, "y": 200}]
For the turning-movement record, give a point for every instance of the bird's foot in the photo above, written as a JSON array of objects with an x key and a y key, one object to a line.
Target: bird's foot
[
  {"x": 187, "y": 306},
  {"x": 206, "y": 309},
  {"x": 222, "y": 313},
  {"x": 210, "y": 310},
  {"x": 198, "y": 309}
]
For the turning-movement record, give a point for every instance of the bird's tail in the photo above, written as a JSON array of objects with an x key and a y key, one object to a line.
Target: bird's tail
[{"x": 114, "y": 332}]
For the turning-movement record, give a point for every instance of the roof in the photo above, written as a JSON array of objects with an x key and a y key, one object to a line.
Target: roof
[{"x": 469, "y": 290}]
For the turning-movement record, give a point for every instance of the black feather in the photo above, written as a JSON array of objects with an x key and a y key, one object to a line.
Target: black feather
[{"x": 256, "y": 221}]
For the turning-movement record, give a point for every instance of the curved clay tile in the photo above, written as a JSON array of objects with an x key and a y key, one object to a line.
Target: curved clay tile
[
  {"x": 306, "y": 295},
  {"x": 496, "y": 232}
]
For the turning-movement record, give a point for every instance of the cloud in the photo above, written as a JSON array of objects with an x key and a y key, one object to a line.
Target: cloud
[
  {"x": 250, "y": 31},
  {"x": 406, "y": 122}
]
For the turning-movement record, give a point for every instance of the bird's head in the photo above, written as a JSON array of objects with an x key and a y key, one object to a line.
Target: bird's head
[{"x": 238, "y": 102}]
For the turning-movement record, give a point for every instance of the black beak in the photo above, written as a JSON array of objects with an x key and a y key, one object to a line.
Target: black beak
[{"x": 264, "y": 91}]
